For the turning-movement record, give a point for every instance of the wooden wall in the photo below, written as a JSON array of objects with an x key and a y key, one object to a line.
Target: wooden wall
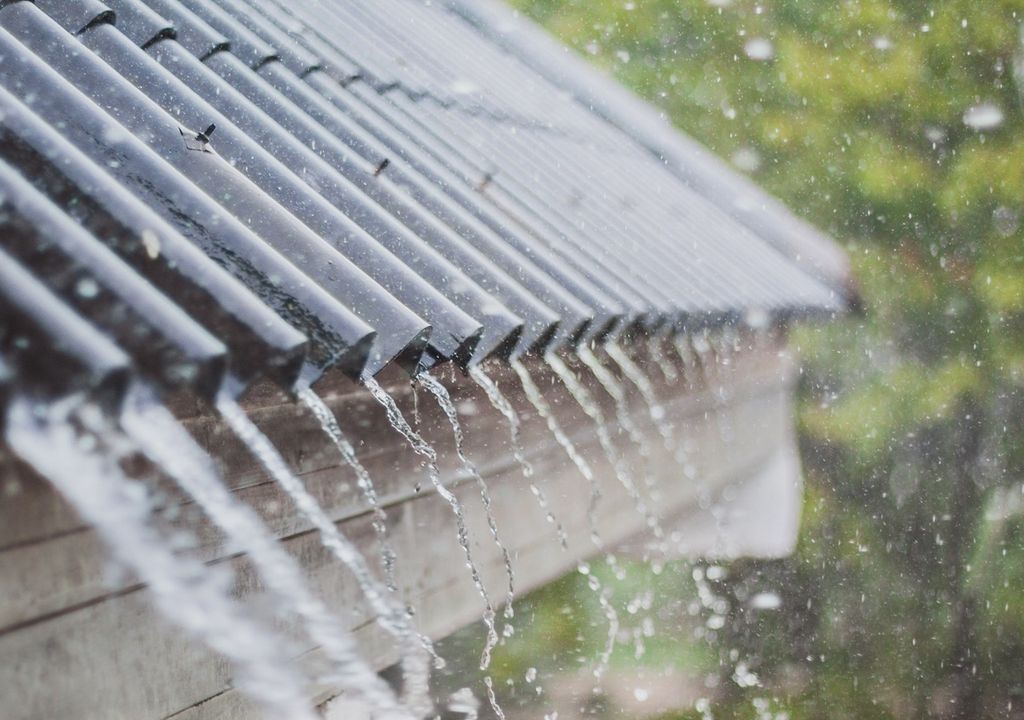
[{"x": 78, "y": 641}]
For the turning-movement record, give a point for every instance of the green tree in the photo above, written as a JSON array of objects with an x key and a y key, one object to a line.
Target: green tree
[{"x": 897, "y": 127}]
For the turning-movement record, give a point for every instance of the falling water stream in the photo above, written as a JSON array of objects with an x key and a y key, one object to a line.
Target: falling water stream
[
  {"x": 187, "y": 592},
  {"x": 444, "y": 401},
  {"x": 613, "y": 387},
  {"x": 536, "y": 399},
  {"x": 583, "y": 397},
  {"x": 426, "y": 451},
  {"x": 725, "y": 346},
  {"x": 390, "y": 615},
  {"x": 502, "y": 405},
  {"x": 684, "y": 349},
  {"x": 329, "y": 424},
  {"x": 639, "y": 378},
  {"x": 657, "y": 353},
  {"x": 171, "y": 448}
]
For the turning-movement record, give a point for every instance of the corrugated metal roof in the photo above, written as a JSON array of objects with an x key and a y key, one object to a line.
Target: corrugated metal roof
[{"x": 203, "y": 193}]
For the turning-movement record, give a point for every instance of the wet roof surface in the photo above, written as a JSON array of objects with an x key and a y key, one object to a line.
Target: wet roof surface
[{"x": 200, "y": 193}]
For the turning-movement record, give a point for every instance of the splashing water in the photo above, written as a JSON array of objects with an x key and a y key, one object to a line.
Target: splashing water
[
  {"x": 643, "y": 383},
  {"x": 463, "y": 701},
  {"x": 582, "y": 396},
  {"x": 426, "y": 451},
  {"x": 758, "y": 48},
  {"x": 543, "y": 409},
  {"x": 390, "y": 616},
  {"x": 984, "y": 116},
  {"x": 171, "y": 448},
  {"x": 502, "y": 405},
  {"x": 444, "y": 401},
  {"x": 657, "y": 353},
  {"x": 188, "y": 593}
]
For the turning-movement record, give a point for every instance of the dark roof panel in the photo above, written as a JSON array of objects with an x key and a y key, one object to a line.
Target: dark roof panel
[
  {"x": 178, "y": 141},
  {"x": 275, "y": 188},
  {"x": 163, "y": 341},
  {"x": 338, "y": 337},
  {"x": 77, "y": 16},
  {"x": 261, "y": 343},
  {"x": 53, "y": 350}
]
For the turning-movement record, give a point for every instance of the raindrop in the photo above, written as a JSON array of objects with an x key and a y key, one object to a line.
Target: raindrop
[
  {"x": 766, "y": 601},
  {"x": 87, "y": 288},
  {"x": 746, "y": 159},
  {"x": 1006, "y": 220},
  {"x": 983, "y": 116},
  {"x": 760, "y": 49}
]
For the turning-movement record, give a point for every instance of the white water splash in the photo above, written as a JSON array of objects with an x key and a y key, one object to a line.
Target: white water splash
[
  {"x": 171, "y": 448},
  {"x": 759, "y": 48},
  {"x": 189, "y": 594}
]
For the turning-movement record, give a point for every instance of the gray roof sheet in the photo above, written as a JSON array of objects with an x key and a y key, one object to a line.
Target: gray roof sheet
[{"x": 269, "y": 188}]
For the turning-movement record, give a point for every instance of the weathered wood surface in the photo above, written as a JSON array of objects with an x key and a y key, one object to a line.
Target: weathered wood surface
[{"x": 77, "y": 640}]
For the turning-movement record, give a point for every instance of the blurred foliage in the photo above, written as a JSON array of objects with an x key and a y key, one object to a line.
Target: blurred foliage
[{"x": 897, "y": 127}]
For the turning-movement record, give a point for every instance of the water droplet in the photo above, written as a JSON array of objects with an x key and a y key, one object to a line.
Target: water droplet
[
  {"x": 760, "y": 49},
  {"x": 1006, "y": 220},
  {"x": 766, "y": 601},
  {"x": 151, "y": 242},
  {"x": 746, "y": 159},
  {"x": 87, "y": 288},
  {"x": 983, "y": 116},
  {"x": 464, "y": 87}
]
